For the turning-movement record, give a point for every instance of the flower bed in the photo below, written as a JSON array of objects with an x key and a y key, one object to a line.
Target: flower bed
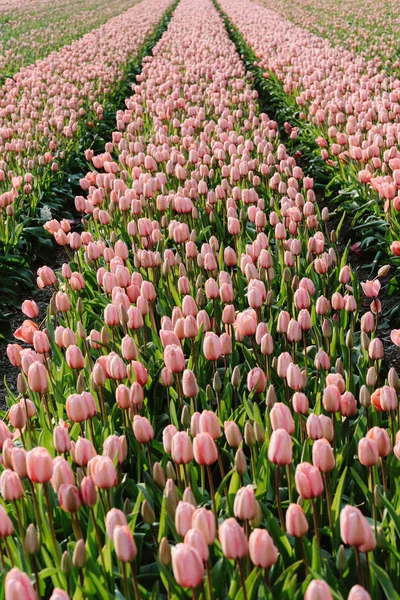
[{"x": 204, "y": 406}]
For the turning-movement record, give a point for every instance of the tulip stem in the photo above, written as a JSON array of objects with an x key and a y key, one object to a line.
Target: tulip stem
[
  {"x": 134, "y": 581},
  {"x": 303, "y": 554},
  {"x": 242, "y": 578},
  {"x": 315, "y": 517},
  {"x": 51, "y": 524},
  {"x": 2, "y": 558},
  {"x": 9, "y": 554},
  {"x": 98, "y": 538},
  {"x": 278, "y": 496},
  {"x": 289, "y": 482},
  {"x": 266, "y": 576},
  {"x": 393, "y": 428},
  {"x": 124, "y": 577},
  {"x": 209, "y": 580},
  {"x": 383, "y": 475},
  {"x": 359, "y": 569},
  {"x": 372, "y": 481},
  {"x": 21, "y": 529},
  {"x": 35, "y": 506},
  {"x": 328, "y": 501},
  {"x": 210, "y": 480},
  {"x": 35, "y": 570}
]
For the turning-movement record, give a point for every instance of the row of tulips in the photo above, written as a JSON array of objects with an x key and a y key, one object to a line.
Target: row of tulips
[
  {"x": 343, "y": 105},
  {"x": 46, "y": 110},
  {"x": 368, "y": 28},
  {"x": 204, "y": 409},
  {"x": 26, "y": 36}
]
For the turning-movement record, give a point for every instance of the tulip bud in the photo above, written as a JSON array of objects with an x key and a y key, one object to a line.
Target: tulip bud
[
  {"x": 172, "y": 500},
  {"x": 259, "y": 433},
  {"x": 105, "y": 336},
  {"x": 185, "y": 416},
  {"x": 217, "y": 385},
  {"x": 341, "y": 559},
  {"x": 365, "y": 341},
  {"x": 249, "y": 436},
  {"x": 79, "y": 555},
  {"x": 32, "y": 542},
  {"x": 164, "y": 555},
  {"x": 79, "y": 307},
  {"x": 365, "y": 397},
  {"x": 271, "y": 397},
  {"x": 21, "y": 384},
  {"x": 270, "y": 298},
  {"x": 236, "y": 377},
  {"x": 372, "y": 376},
  {"x": 240, "y": 462},
  {"x": 383, "y": 271},
  {"x": 66, "y": 564},
  {"x": 127, "y": 508},
  {"x": 256, "y": 521},
  {"x": 209, "y": 394},
  {"x": 158, "y": 475},
  {"x": 339, "y": 368},
  {"x": 350, "y": 340},
  {"x": 147, "y": 513},
  {"x": 170, "y": 471},
  {"x": 393, "y": 379},
  {"x": 188, "y": 497}
]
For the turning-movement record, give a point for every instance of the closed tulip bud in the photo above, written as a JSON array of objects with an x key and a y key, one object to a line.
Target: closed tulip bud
[
  {"x": 249, "y": 436},
  {"x": 262, "y": 550},
  {"x": 124, "y": 544},
  {"x": 259, "y": 433},
  {"x": 271, "y": 397},
  {"x": 365, "y": 397},
  {"x": 350, "y": 340},
  {"x": 354, "y": 527},
  {"x": 233, "y": 539},
  {"x": 147, "y": 513},
  {"x": 244, "y": 506},
  {"x": 393, "y": 379},
  {"x": 18, "y": 585},
  {"x": 322, "y": 456},
  {"x": 172, "y": 497},
  {"x": 187, "y": 565},
  {"x": 295, "y": 521},
  {"x": 368, "y": 452},
  {"x": 358, "y": 593},
  {"x": 185, "y": 416},
  {"x": 142, "y": 429},
  {"x": 158, "y": 475},
  {"x": 308, "y": 481},
  {"x": 164, "y": 552},
  {"x": 388, "y": 399},
  {"x": 280, "y": 447},
  {"x": 171, "y": 474},
  {"x": 66, "y": 564},
  {"x": 318, "y": 590},
  {"x": 181, "y": 448},
  {"x": 240, "y": 462},
  {"x": 32, "y": 542},
  {"x": 236, "y": 377},
  {"x": 79, "y": 555},
  {"x": 183, "y": 517},
  {"x": 88, "y": 491},
  {"x": 232, "y": 434},
  {"x": 188, "y": 496},
  {"x": 341, "y": 559},
  {"x": 39, "y": 465}
]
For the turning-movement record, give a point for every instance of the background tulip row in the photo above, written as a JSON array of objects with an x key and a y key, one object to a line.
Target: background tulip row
[
  {"x": 204, "y": 411},
  {"x": 31, "y": 30},
  {"x": 340, "y": 109},
  {"x": 46, "y": 111}
]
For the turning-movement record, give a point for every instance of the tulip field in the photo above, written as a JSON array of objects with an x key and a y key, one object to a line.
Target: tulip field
[{"x": 202, "y": 395}]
